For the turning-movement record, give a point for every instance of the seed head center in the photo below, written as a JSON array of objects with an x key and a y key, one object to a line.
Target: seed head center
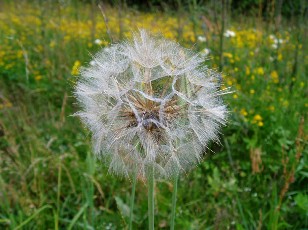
[{"x": 150, "y": 120}]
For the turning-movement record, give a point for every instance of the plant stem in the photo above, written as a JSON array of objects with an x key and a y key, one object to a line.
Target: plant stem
[
  {"x": 174, "y": 193},
  {"x": 221, "y": 43},
  {"x": 132, "y": 201},
  {"x": 239, "y": 204},
  {"x": 150, "y": 178},
  {"x": 58, "y": 194}
]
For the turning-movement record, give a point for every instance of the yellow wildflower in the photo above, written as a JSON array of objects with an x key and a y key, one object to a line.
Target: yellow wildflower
[
  {"x": 228, "y": 55},
  {"x": 75, "y": 69},
  {"x": 243, "y": 112},
  {"x": 252, "y": 91},
  {"x": 247, "y": 70},
  {"x": 257, "y": 119},
  {"x": 38, "y": 77},
  {"x": 274, "y": 76},
  {"x": 260, "y": 71}
]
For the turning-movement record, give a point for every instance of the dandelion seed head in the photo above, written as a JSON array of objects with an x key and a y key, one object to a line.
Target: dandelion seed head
[{"x": 150, "y": 102}]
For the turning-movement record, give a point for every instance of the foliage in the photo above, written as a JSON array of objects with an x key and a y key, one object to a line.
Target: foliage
[
  {"x": 288, "y": 8},
  {"x": 48, "y": 178}
]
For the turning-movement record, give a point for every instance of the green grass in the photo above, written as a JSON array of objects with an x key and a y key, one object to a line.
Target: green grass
[{"x": 48, "y": 175}]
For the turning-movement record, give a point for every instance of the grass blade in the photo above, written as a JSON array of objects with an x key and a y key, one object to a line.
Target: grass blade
[
  {"x": 76, "y": 217},
  {"x": 33, "y": 216}
]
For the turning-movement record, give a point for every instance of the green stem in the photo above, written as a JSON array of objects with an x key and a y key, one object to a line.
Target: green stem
[
  {"x": 221, "y": 43},
  {"x": 150, "y": 178},
  {"x": 58, "y": 194},
  {"x": 132, "y": 201},
  {"x": 174, "y": 193}
]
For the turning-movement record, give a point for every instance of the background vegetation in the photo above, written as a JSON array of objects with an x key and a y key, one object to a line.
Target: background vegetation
[{"x": 256, "y": 180}]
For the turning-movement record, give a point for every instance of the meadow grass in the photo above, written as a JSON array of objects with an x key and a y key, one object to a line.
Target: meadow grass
[{"x": 48, "y": 176}]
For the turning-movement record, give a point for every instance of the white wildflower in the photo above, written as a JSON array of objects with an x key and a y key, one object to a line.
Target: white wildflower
[
  {"x": 279, "y": 41},
  {"x": 272, "y": 37},
  {"x": 205, "y": 52},
  {"x": 274, "y": 46},
  {"x": 150, "y": 102},
  {"x": 229, "y": 33},
  {"x": 98, "y": 42},
  {"x": 201, "y": 38},
  {"x": 275, "y": 41}
]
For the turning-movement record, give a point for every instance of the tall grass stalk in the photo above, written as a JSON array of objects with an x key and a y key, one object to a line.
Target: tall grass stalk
[
  {"x": 150, "y": 178},
  {"x": 222, "y": 29},
  {"x": 174, "y": 193},
  {"x": 101, "y": 7}
]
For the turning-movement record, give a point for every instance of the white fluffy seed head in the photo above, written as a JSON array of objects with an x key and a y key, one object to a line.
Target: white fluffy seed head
[{"x": 150, "y": 103}]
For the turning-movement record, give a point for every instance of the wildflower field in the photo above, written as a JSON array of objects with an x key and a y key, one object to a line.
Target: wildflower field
[{"x": 255, "y": 178}]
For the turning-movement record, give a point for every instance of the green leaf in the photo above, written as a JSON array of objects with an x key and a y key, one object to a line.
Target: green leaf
[
  {"x": 302, "y": 201},
  {"x": 239, "y": 227},
  {"x": 33, "y": 216},
  {"x": 76, "y": 217}
]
